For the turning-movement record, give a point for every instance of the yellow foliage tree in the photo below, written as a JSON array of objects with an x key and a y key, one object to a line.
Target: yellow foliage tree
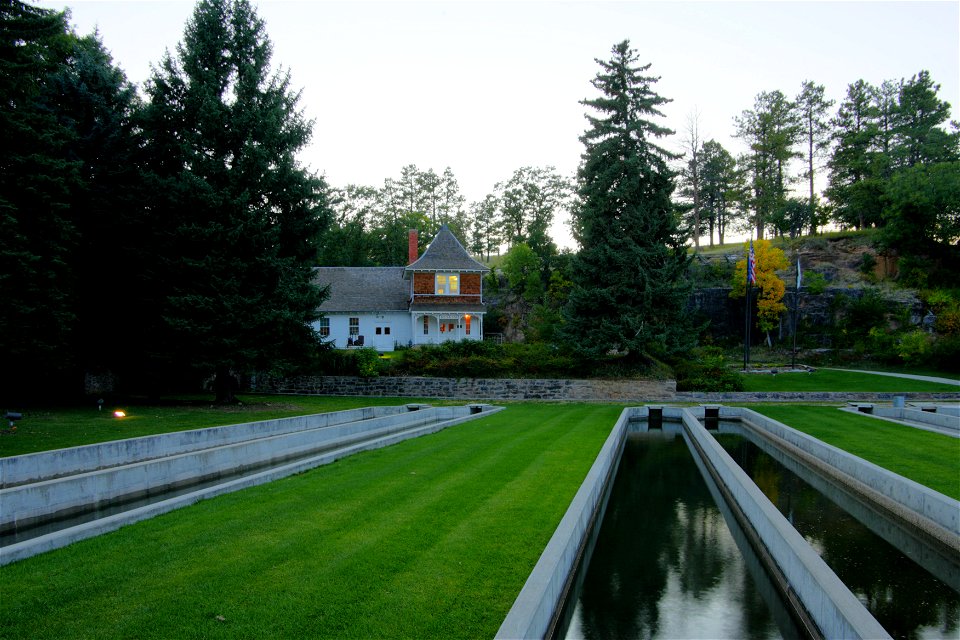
[{"x": 767, "y": 261}]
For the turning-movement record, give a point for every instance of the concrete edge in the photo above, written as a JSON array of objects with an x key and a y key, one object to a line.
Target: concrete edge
[
  {"x": 829, "y": 602},
  {"x": 56, "y": 540},
  {"x": 535, "y": 608}
]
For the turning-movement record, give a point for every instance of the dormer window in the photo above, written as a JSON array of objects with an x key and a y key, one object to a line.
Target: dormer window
[{"x": 448, "y": 284}]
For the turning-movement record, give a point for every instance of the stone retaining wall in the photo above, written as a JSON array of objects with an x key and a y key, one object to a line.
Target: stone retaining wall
[
  {"x": 473, "y": 388},
  {"x": 571, "y": 390}
]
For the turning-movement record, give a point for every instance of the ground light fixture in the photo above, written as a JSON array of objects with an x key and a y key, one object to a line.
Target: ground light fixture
[{"x": 119, "y": 413}]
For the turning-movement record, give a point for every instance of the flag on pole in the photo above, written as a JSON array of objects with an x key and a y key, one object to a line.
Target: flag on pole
[
  {"x": 751, "y": 266},
  {"x": 799, "y": 274}
]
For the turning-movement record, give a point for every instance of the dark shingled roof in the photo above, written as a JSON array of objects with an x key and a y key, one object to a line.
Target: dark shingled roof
[
  {"x": 364, "y": 288},
  {"x": 446, "y": 253}
]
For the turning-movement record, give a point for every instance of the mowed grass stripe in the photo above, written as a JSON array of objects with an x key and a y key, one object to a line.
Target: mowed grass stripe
[
  {"x": 429, "y": 538},
  {"x": 932, "y": 459}
]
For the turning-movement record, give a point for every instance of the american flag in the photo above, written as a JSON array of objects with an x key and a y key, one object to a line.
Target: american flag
[{"x": 751, "y": 266}]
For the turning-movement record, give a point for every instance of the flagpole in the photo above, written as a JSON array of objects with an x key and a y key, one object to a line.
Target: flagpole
[
  {"x": 796, "y": 311},
  {"x": 746, "y": 330},
  {"x": 751, "y": 276}
]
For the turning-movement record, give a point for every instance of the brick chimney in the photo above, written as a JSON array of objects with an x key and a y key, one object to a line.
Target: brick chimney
[{"x": 412, "y": 250}]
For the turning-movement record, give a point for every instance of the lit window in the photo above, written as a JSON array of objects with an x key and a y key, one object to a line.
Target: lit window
[
  {"x": 448, "y": 284},
  {"x": 466, "y": 324},
  {"x": 354, "y": 326},
  {"x": 324, "y": 327}
]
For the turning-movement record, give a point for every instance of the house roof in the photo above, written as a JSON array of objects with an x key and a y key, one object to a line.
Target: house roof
[
  {"x": 445, "y": 253},
  {"x": 364, "y": 289}
]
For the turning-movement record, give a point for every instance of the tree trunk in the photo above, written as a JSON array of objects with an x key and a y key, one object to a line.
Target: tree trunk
[{"x": 225, "y": 386}]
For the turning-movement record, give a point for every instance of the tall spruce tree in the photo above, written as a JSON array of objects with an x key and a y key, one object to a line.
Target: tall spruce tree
[
  {"x": 238, "y": 216},
  {"x": 629, "y": 283},
  {"x": 37, "y": 177}
]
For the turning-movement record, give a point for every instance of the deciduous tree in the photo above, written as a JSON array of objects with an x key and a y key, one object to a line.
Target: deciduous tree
[{"x": 768, "y": 260}]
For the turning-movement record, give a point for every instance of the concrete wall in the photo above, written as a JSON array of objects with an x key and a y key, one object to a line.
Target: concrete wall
[
  {"x": 939, "y": 509},
  {"x": 474, "y": 388},
  {"x": 830, "y": 603},
  {"x": 533, "y": 612}
]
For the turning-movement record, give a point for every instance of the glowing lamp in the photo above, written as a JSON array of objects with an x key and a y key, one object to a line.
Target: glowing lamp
[{"x": 119, "y": 414}]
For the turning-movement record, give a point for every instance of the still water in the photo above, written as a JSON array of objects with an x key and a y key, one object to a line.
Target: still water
[
  {"x": 908, "y": 599},
  {"x": 665, "y": 564}
]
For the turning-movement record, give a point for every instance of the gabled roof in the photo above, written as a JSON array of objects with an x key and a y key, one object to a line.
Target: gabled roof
[
  {"x": 364, "y": 289},
  {"x": 446, "y": 253}
]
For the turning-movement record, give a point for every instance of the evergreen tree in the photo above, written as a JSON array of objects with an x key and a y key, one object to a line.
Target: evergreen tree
[
  {"x": 919, "y": 137},
  {"x": 721, "y": 188},
  {"x": 629, "y": 285},
  {"x": 95, "y": 100},
  {"x": 856, "y": 165},
  {"x": 37, "y": 177},
  {"x": 813, "y": 106},
  {"x": 240, "y": 217},
  {"x": 771, "y": 129}
]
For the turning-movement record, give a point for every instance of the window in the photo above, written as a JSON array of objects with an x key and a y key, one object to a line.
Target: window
[
  {"x": 448, "y": 284},
  {"x": 466, "y": 324},
  {"x": 324, "y": 327},
  {"x": 354, "y": 326},
  {"x": 426, "y": 326}
]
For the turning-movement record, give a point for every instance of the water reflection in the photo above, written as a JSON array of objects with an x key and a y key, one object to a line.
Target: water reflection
[
  {"x": 904, "y": 597},
  {"x": 665, "y": 564}
]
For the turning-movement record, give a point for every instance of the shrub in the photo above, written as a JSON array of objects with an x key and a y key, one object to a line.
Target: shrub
[
  {"x": 707, "y": 370},
  {"x": 368, "y": 362},
  {"x": 914, "y": 346}
]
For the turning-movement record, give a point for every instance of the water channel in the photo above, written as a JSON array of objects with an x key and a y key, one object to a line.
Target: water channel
[
  {"x": 668, "y": 561},
  {"x": 912, "y": 597},
  {"x": 665, "y": 563}
]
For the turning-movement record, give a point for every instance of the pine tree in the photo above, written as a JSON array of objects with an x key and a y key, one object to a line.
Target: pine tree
[
  {"x": 856, "y": 168},
  {"x": 239, "y": 216},
  {"x": 813, "y": 105},
  {"x": 629, "y": 285},
  {"x": 771, "y": 129}
]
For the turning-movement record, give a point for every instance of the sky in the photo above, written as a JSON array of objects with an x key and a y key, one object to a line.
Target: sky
[{"x": 488, "y": 87}]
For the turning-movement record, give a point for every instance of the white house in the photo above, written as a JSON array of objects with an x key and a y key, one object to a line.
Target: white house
[{"x": 436, "y": 298}]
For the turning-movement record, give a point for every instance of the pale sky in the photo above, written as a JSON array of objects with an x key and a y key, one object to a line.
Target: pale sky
[{"x": 488, "y": 87}]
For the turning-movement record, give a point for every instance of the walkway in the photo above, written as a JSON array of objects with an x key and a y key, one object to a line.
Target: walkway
[{"x": 900, "y": 375}]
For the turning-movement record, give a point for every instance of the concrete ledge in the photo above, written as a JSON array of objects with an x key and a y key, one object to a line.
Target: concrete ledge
[
  {"x": 927, "y": 504},
  {"x": 534, "y": 611},
  {"x": 829, "y": 603}
]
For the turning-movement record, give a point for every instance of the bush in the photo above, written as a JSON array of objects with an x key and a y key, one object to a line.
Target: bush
[
  {"x": 707, "y": 370},
  {"x": 368, "y": 362}
]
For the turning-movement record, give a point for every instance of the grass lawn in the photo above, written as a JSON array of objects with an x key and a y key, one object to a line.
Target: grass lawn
[
  {"x": 433, "y": 537},
  {"x": 824, "y": 380},
  {"x": 929, "y": 458},
  {"x": 45, "y": 429}
]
